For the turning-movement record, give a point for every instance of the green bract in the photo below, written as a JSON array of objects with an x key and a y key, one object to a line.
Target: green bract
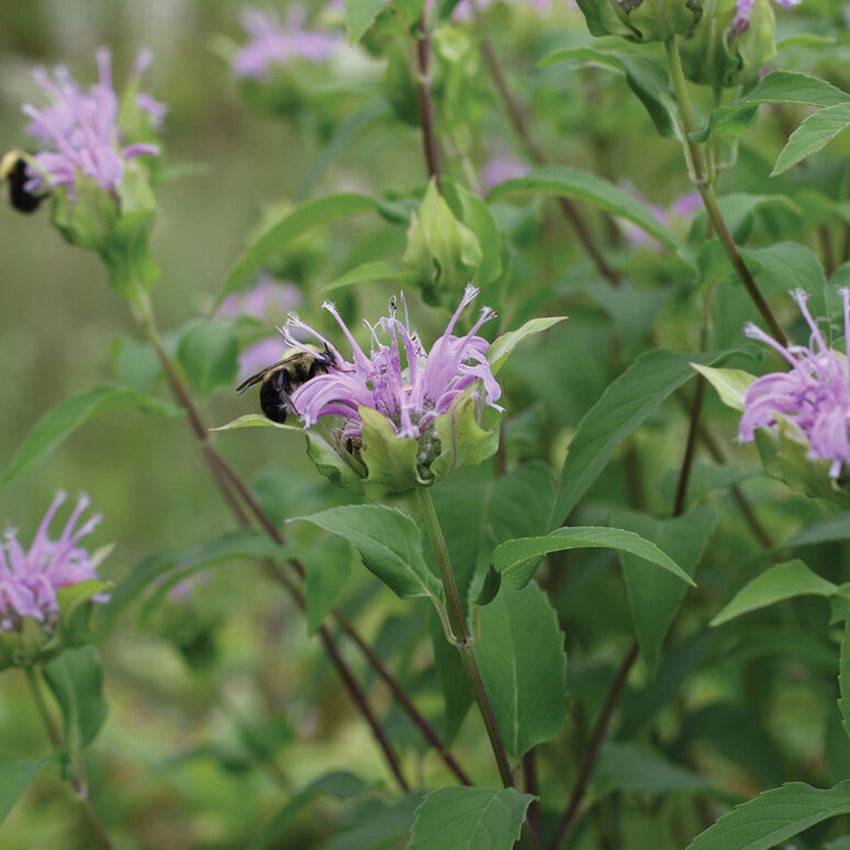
[
  {"x": 443, "y": 252},
  {"x": 641, "y": 20},
  {"x": 35, "y": 642},
  {"x": 716, "y": 55}
]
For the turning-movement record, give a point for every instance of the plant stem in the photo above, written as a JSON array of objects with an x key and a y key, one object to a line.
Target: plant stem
[
  {"x": 426, "y": 104},
  {"x": 701, "y": 176},
  {"x": 568, "y": 820},
  {"x": 78, "y": 780},
  {"x": 520, "y": 127},
  {"x": 225, "y": 476},
  {"x": 461, "y": 635}
]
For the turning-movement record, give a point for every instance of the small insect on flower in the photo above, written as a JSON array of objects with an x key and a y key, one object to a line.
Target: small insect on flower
[
  {"x": 279, "y": 380},
  {"x": 14, "y": 172}
]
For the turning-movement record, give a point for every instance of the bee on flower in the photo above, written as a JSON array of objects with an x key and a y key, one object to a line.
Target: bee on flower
[{"x": 403, "y": 415}]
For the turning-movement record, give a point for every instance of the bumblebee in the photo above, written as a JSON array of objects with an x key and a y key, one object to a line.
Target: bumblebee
[
  {"x": 279, "y": 380},
  {"x": 13, "y": 170}
]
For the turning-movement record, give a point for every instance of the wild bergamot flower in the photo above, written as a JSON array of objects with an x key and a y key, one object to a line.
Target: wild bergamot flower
[
  {"x": 814, "y": 395},
  {"x": 80, "y": 129},
  {"x": 407, "y": 414}
]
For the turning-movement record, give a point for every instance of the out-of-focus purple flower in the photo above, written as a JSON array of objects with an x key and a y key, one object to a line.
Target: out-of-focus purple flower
[
  {"x": 273, "y": 43},
  {"x": 744, "y": 12},
  {"x": 29, "y": 580},
  {"x": 269, "y": 299},
  {"x": 259, "y": 355},
  {"x": 814, "y": 395},
  {"x": 502, "y": 167},
  {"x": 680, "y": 211},
  {"x": 82, "y": 128},
  {"x": 406, "y": 384}
]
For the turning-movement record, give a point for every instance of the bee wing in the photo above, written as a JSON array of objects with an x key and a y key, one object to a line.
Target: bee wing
[{"x": 258, "y": 376}]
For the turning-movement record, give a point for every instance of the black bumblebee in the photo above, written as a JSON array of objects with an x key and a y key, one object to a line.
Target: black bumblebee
[
  {"x": 279, "y": 380},
  {"x": 13, "y": 169}
]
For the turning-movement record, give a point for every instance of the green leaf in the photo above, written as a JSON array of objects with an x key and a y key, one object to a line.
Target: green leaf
[
  {"x": 256, "y": 420},
  {"x": 787, "y": 264},
  {"x": 76, "y": 679},
  {"x": 626, "y": 767},
  {"x": 389, "y": 542},
  {"x": 476, "y": 215},
  {"x": 462, "y": 818},
  {"x": 376, "y": 270},
  {"x": 360, "y": 15},
  {"x": 502, "y": 347},
  {"x": 655, "y": 596},
  {"x": 15, "y": 776},
  {"x": 776, "y": 87},
  {"x": 774, "y": 816},
  {"x": 572, "y": 183},
  {"x": 208, "y": 351},
  {"x": 457, "y": 695},
  {"x": 328, "y": 566},
  {"x": 463, "y": 442},
  {"x": 784, "y": 581},
  {"x": 298, "y": 221},
  {"x": 524, "y": 667},
  {"x": 813, "y": 134},
  {"x": 517, "y": 560},
  {"x": 127, "y": 257},
  {"x": 623, "y": 406},
  {"x": 242, "y": 543},
  {"x": 59, "y": 423},
  {"x": 836, "y": 527},
  {"x": 731, "y": 384},
  {"x": 390, "y": 458}
]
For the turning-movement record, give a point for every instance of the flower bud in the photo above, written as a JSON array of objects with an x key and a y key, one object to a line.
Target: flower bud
[
  {"x": 732, "y": 42},
  {"x": 641, "y": 20}
]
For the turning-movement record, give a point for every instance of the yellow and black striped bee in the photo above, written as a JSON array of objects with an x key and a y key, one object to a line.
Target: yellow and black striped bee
[
  {"x": 279, "y": 380},
  {"x": 13, "y": 170}
]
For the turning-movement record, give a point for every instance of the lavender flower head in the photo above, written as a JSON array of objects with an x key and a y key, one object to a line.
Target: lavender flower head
[
  {"x": 80, "y": 128},
  {"x": 407, "y": 385},
  {"x": 814, "y": 395},
  {"x": 269, "y": 298},
  {"x": 273, "y": 43},
  {"x": 744, "y": 13},
  {"x": 30, "y": 580}
]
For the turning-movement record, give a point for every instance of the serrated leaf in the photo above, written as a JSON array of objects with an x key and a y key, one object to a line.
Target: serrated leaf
[
  {"x": 15, "y": 776},
  {"x": 463, "y": 818},
  {"x": 774, "y": 817},
  {"x": 524, "y": 667},
  {"x": 572, "y": 183},
  {"x": 623, "y": 406},
  {"x": 61, "y": 421},
  {"x": 731, "y": 384},
  {"x": 517, "y": 560},
  {"x": 76, "y": 679},
  {"x": 389, "y": 542},
  {"x": 502, "y": 347},
  {"x": 298, "y": 221},
  {"x": 654, "y": 596},
  {"x": 784, "y": 581},
  {"x": 813, "y": 134}
]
